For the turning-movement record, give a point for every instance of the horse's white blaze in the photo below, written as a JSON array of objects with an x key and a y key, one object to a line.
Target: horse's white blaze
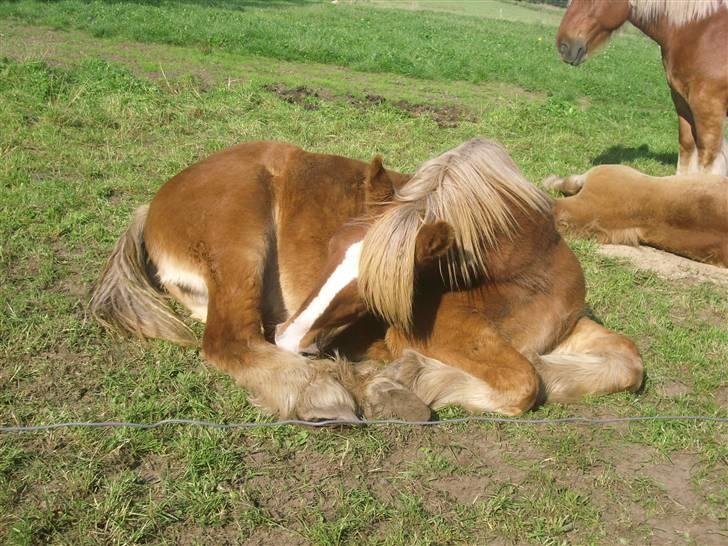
[{"x": 346, "y": 271}]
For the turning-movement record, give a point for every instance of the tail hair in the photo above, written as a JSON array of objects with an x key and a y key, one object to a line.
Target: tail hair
[{"x": 126, "y": 299}]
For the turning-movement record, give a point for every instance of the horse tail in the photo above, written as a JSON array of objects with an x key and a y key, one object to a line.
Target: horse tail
[
  {"x": 126, "y": 297},
  {"x": 387, "y": 265}
]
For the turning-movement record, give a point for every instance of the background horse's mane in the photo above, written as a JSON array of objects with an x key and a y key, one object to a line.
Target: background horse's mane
[
  {"x": 678, "y": 13},
  {"x": 473, "y": 188}
]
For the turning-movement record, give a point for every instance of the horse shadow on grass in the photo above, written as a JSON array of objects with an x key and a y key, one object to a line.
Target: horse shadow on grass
[{"x": 619, "y": 154}]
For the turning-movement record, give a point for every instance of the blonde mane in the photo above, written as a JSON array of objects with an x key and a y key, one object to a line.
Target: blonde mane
[
  {"x": 677, "y": 12},
  {"x": 473, "y": 188}
]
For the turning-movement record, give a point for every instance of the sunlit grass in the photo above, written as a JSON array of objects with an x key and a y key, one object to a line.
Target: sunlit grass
[{"x": 93, "y": 130}]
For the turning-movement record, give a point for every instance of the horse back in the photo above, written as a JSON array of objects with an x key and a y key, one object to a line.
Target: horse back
[{"x": 221, "y": 202}]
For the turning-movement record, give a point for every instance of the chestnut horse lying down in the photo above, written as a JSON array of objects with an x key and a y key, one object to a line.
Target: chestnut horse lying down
[
  {"x": 450, "y": 286},
  {"x": 685, "y": 215}
]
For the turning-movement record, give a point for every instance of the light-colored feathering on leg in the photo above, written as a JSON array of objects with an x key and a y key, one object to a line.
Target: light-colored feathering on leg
[{"x": 439, "y": 385}]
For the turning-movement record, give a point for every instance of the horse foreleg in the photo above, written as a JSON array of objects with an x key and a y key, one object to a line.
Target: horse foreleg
[
  {"x": 283, "y": 383},
  {"x": 687, "y": 159},
  {"x": 591, "y": 360},
  {"x": 466, "y": 364},
  {"x": 709, "y": 112}
]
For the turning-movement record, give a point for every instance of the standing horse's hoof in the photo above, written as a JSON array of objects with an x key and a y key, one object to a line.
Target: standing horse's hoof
[{"x": 386, "y": 398}]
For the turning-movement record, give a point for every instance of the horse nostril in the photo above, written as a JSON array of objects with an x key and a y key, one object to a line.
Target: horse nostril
[{"x": 563, "y": 48}]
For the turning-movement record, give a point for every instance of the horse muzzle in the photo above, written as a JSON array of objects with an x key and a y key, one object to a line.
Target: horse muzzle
[{"x": 572, "y": 52}]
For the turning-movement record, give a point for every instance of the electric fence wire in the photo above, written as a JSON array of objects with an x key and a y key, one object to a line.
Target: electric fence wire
[{"x": 363, "y": 422}]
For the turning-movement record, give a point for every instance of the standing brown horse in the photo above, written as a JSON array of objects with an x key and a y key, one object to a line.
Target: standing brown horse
[
  {"x": 465, "y": 283},
  {"x": 693, "y": 37}
]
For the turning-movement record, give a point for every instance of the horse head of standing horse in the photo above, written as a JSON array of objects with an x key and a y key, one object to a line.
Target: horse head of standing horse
[
  {"x": 692, "y": 35},
  {"x": 588, "y": 24}
]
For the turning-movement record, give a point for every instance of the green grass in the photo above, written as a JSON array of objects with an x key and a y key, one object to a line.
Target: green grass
[
  {"x": 490, "y": 9},
  {"x": 98, "y": 113}
]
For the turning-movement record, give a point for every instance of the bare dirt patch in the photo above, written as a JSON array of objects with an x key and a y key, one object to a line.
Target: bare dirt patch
[
  {"x": 672, "y": 389},
  {"x": 445, "y": 116},
  {"x": 300, "y": 95},
  {"x": 668, "y": 266},
  {"x": 721, "y": 396},
  {"x": 645, "y": 497}
]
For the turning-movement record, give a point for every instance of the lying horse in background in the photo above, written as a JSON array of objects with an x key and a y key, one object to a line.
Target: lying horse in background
[
  {"x": 693, "y": 37},
  {"x": 466, "y": 287},
  {"x": 685, "y": 215}
]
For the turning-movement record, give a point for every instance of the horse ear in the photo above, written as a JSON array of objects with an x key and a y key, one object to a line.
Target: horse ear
[
  {"x": 433, "y": 242},
  {"x": 377, "y": 183}
]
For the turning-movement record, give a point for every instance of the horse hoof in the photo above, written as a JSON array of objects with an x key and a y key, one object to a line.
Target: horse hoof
[
  {"x": 325, "y": 399},
  {"x": 551, "y": 182},
  {"x": 386, "y": 398}
]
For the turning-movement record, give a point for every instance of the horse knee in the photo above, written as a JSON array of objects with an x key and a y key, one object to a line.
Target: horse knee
[
  {"x": 524, "y": 394},
  {"x": 633, "y": 371}
]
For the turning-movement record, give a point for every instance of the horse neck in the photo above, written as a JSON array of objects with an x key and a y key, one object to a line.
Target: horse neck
[
  {"x": 657, "y": 29},
  {"x": 302, "y": 321}
]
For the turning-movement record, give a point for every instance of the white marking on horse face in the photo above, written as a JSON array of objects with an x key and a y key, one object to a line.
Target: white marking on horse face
[{"x": 346, "y": 271}]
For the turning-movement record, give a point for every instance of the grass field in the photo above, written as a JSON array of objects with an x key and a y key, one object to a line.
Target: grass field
[{"x": 103, "y": 101}]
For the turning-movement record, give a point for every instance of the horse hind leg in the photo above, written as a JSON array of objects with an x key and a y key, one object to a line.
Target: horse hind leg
[
  {"x": 719, "y": 165},
  {"x": 590, "y": 361},
  {"x": 186, "y": 285},
  {"x": 568, "y": 185},
  {"x": 284, "y": 384},
  {"x": 709, "y": 114}
]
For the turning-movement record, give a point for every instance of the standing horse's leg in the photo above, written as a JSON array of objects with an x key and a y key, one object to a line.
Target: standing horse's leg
[
  {"x": 284, "y": 383},
  {"x": 687, "y": 160},
  {"x": 591, "y": 360},
  {"x": 709, "y": 111}
]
